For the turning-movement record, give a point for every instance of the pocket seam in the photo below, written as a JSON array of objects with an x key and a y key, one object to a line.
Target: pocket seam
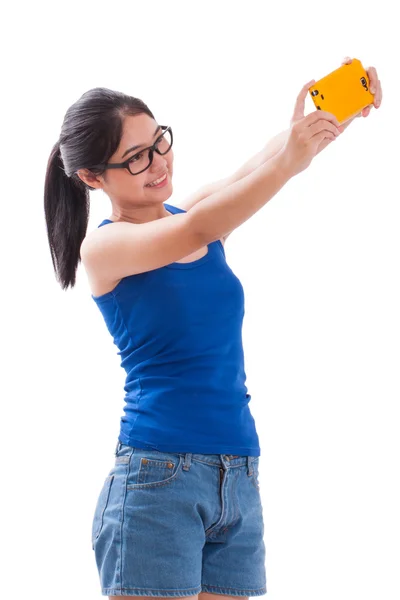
[
  {"x": 135, "y": 486},
  {"x": 105, "y": 494}
]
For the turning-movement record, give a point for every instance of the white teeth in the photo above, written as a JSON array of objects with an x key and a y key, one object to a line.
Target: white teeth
[{"x": 157, "y": 181}]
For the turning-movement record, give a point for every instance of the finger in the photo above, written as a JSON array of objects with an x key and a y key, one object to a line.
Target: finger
[
  {"x": 378, "y": 95},
  {"x": 321, "y": 126},
  {"x": 373, "y": 79},
  {"x": 324, "y": 137},
  {"x": 320, "y": 114},
  {"x": 298, "y": 112},
  {"x": 365, "y": 111},
  {"x": 347, "y": 60}
]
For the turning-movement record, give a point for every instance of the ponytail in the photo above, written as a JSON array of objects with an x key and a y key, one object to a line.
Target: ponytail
[
  {"x": 66, "y": 205},
  {"x": 90, "y": 135}
]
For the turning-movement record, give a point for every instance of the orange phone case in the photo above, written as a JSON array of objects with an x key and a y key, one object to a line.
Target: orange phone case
[{"x": 344, "y": 92}]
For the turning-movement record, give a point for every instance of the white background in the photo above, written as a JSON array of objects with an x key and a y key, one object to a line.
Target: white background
[{"x": 319, "y": 265}]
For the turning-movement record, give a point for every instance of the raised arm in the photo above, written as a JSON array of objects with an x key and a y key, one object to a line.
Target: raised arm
[
  {"x": 271, "y": 148},
  {"x": 122, "y": 249}
]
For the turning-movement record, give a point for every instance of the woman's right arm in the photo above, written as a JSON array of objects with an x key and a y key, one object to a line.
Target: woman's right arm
[
  {"x": 122, "y": 249},
  {"x": 225, "y": 210}
]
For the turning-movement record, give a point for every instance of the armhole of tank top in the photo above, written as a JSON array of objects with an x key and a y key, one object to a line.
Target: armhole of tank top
[
  {"x": 113, "y": 294},
  {"x": 174, "y": 209},
  {"x": 221, "y": 246}
]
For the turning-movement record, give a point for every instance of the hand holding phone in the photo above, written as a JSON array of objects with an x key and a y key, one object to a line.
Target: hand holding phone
[
  {"x": 307, "y": 137},
  {"x": 345, "y": 92}
]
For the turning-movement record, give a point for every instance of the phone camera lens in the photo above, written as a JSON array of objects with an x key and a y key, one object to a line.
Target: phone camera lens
[
  {"x": 315, "y": 93},
  {"x": 363, "y": 80}
]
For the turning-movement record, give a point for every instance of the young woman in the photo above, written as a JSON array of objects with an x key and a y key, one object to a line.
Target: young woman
[{"x": 180, "y": 513}]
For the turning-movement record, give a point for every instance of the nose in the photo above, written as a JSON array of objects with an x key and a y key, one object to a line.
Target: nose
[{"x": 159, "y": 163}]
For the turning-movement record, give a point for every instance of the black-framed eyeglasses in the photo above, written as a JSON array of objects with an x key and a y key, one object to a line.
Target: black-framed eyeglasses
[{"x": 142, "y": 160}]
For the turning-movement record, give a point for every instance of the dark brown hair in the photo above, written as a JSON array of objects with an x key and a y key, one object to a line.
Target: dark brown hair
[{"x": 90, "y": 134}]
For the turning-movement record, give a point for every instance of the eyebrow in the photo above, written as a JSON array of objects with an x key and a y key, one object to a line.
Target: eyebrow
[{"x": 140, "y": 145}]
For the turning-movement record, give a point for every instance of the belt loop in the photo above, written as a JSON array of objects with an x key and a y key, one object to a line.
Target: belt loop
[
  {"x": 117, "y": 448},
  {"x": 187, "y": 461},
  {"x": 249, "y": 467}
]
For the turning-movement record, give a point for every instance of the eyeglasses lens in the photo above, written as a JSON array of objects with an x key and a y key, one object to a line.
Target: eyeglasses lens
[{"x": 139, "y": 162}]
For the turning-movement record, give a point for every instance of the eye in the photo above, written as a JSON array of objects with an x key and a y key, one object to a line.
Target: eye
[
  {"x": 136, "y": 157},
  {"x": 139, "y": 156}
]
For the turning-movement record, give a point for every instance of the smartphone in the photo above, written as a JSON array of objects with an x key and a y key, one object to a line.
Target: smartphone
[{"x": 344, "y": 92}]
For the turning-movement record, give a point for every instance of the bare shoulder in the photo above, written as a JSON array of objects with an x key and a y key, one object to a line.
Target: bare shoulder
[
  {"x": 121, "y": 249},
  {"x": 98, "y": 283}
]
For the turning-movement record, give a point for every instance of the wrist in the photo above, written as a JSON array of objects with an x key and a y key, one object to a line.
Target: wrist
[
  {"x": 283, "y": 166},
  {"x": 273, "y": 146}
]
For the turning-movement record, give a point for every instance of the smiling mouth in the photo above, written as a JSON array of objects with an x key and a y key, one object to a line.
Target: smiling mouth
[{"x": 157, "y": 181}]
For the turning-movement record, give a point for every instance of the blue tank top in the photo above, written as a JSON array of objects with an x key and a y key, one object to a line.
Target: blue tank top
[{"x": 178, "y": 330}]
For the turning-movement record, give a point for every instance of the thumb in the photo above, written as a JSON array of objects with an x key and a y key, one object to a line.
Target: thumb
[{"x": 298, "y": 112}]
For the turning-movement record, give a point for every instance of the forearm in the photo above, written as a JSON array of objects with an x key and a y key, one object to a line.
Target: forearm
[
  {"x": 271, "y": 148},
  {"x": 225, "y": 210}
]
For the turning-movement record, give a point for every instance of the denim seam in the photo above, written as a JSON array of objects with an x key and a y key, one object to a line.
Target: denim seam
[
  {"x": 137, "y": 486},
  {"x": 122, "y": 517},
  {"x": 204, "y": 462},
  {"x": 217, "y": 587},
  {"x": 149, "y": 592}
]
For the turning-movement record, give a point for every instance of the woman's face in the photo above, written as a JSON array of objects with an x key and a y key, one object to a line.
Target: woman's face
[{"x": 125, "y": 189}]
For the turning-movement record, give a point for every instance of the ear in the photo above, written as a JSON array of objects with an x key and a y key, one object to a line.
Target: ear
[{"x": 90, "y": 178}]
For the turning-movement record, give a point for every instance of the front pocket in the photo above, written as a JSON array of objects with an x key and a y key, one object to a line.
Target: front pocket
[
  {"x": 101, "y": 506},
  {"x": 153, "y": 473}
]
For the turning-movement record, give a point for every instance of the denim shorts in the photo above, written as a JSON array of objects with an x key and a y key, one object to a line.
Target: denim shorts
[{"x": 172, "y": 524}]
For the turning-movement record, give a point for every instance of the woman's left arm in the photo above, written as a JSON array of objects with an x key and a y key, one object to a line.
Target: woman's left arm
[{"x": 274, "y": 145}]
